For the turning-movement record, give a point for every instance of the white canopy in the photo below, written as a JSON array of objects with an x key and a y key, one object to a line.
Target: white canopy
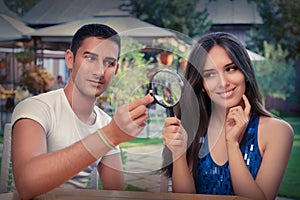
[
  {"x": 12, "y": 29},
  {"x": 126, "y": 26},
  {"x": 254, "y": 56}
]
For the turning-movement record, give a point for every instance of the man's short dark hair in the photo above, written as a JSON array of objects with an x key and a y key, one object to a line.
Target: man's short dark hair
[{"x": 94, "y": 30}]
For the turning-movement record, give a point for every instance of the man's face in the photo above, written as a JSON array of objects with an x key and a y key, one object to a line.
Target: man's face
[{"x": 95, "y": 65}]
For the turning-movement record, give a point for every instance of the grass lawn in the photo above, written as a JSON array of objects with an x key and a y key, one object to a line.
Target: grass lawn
[
  {"x": 141, "y": 142},
  {"x": 291, "y": 181}
]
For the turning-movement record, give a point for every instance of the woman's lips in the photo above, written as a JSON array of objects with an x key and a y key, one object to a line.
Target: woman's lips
[{"x": 226, "y": 94}]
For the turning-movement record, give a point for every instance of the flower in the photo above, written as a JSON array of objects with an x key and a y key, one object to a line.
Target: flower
[{"x": 36, "y": 79}]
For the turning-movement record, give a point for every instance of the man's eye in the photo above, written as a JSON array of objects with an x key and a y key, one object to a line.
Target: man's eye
[
  {"x": 109, "y": 63},
  {"x": 90, "y": 58}
]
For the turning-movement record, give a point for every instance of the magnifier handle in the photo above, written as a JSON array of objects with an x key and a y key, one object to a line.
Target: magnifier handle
[{"x": 170, "y": 112}]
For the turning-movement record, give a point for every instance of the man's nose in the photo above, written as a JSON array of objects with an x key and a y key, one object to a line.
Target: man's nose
[{"x": 100, "y": 68}]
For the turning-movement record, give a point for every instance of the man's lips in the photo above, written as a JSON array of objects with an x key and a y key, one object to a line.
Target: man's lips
[{"x": 96, "y": 82}]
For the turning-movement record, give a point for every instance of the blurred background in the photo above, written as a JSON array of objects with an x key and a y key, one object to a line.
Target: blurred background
[{"x": 34, "y": 35}]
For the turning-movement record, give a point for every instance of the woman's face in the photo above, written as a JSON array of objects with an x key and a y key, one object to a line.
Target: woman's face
[{"x": 223, "y": 81}]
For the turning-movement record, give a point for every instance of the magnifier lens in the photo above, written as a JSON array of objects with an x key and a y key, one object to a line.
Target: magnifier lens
[{"x": 166, "y": 87}]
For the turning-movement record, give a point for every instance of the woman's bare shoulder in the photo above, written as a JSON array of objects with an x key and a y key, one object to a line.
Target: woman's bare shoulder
[
  {"x": 272, "y": 126},
  {"x": 275, "y": 134}
]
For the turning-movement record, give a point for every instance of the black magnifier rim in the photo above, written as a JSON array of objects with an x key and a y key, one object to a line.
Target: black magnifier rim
[{"x": 180, "y": 81}]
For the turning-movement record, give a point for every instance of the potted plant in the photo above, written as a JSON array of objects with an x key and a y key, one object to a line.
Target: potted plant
[
  {"x": 25, "y": 56},
  {"x": 166, "y": 58},
  {"x": 36, "y": 79},
  {"x": 2, "y": 63},
  {"x": 167, "y": 53}
]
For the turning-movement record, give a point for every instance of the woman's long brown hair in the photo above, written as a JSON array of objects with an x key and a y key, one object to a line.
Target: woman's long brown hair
[{"x": 195, "y": 112}]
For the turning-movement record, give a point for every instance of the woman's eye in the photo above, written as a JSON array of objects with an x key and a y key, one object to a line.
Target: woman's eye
[
  {"x": 209, "y": 74},
  {"x": 232, "y": 68}
]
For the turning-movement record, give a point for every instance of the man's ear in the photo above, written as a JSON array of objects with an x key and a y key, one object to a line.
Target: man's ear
[
  {"x": 69, "y": 57},
  {"x": 117, "y": 68}
]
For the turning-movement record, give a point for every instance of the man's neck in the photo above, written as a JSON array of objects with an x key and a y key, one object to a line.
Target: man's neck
[{"x": 81, "y": 105}]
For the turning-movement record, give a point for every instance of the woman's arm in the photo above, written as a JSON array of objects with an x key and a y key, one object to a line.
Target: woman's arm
[
  {"x": 175, "y": 138},
  {"x": 276, "y": 139},
  {"x": 275, "y": 142},
  {"x": 182, "y": 178}
]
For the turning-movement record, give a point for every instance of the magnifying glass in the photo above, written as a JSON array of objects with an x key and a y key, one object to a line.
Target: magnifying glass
[{"x": 166, "y": 87}]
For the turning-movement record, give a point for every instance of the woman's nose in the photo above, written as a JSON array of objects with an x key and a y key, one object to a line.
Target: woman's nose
[{"x": 223, "y": 80}]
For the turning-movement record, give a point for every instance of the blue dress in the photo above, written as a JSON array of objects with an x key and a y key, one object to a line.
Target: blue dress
[{"x": 215, "y": 179}]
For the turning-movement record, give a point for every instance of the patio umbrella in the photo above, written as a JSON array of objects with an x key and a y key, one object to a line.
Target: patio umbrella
[
  {"x": 125, "y": 26},
  {"x": 254, "y": 56},
  {"x": 12, "y": 29},
  {"x": 13, "y": 33}
]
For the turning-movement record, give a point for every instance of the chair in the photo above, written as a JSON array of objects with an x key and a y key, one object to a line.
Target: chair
[
  {"x": 6, "y": 178},
  {"x": 94, "y": 178}
]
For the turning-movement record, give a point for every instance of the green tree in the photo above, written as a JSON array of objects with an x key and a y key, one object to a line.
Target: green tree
[
  {"x": 276, "y": 74},
  {"x": 20, "y": 7},
  {"x": 281, "y": 25},
  {"x": 177, "y": 15},
  {"x": 132, "y": 78}
]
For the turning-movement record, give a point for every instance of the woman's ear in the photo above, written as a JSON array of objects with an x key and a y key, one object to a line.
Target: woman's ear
[{"x": 69, "y": 57}]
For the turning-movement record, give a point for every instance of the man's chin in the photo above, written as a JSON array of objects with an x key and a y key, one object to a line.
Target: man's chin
[{"x": 98, "y": 93}]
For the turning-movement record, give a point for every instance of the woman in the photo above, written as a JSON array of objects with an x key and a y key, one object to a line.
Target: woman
[{"x": 233, "y": 130}]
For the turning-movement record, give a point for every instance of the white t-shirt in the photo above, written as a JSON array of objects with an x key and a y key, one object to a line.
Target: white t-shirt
[{"x": 62, "y": 127}]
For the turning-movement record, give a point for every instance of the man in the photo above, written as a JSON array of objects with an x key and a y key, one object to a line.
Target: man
[
  {"x": 59, "y": 136},
  {"x": 58, "y": 83}
]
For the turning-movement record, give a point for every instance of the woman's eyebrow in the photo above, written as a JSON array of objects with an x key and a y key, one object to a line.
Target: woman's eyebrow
[
  {"x": 213, "y": 67},
  {"x": 208, "y": 70},
  {"x": 229, "y": 64}
]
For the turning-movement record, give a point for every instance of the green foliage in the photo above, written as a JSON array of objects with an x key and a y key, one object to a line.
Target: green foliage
[
  {"x": 275, "y": 75},
  {"x": 177, "y": 15},
  {"x": 275, "y": 112},
  {"x": 141, "y": 142},
  {"x": 291, "y": 180},
  {"x": 129, "y": 187},
  {"x": 131, "y": 80},
  {"x": 130, "y": 53},
  {"x": 281, "y": 25},
  {"x": 25, "y": 56},
  {"x": 123, "y": 155}
]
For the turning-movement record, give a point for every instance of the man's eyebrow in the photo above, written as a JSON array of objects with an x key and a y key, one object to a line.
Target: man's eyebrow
[
  {"x": 91, "y": 53},
  {"x": 110, "y": 58}
]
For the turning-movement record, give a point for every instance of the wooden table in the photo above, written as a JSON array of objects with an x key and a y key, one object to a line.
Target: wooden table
[{"x": 68, "y": 194}]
